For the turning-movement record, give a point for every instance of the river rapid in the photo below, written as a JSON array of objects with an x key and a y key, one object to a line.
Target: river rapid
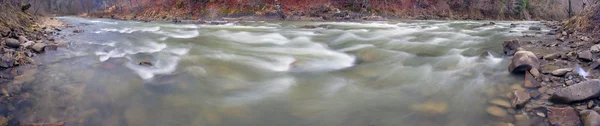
[{"x": 389, "y": 73}]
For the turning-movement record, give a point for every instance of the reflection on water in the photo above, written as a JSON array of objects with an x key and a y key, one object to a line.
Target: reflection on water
[{"x": 273, "y": 74}]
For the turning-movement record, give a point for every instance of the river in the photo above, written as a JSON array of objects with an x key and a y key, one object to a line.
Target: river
[{"x": 387, "y": 73}]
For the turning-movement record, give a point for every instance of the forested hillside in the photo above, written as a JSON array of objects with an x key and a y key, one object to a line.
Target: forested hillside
[{"x": 420, "y": 9}]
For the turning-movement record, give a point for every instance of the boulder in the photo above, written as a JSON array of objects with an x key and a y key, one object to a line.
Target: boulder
[
  {"x": 530, "y": 81},
  {"x": 563, "y": 116},
  {"x": 585, "y": 55},
  {"x": 595, "y": 48},
  {"x": 520, "y": 98},
  {"x": 523, "y": 61},
  {"x": 578, "y": 92},
  {"x": 28, "y": 44},
  {"x": 511, "y": 46},
  {"x": 38, "y": 47},
  {"x": 535, "y": 28},
  {"x": 590, "y": 118},
  {"x": 561, "y": 72},
  {"x": 13, "y": 43}
]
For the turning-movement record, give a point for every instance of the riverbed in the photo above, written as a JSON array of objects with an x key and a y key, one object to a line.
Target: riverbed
[{"x": 273, "y": 73}]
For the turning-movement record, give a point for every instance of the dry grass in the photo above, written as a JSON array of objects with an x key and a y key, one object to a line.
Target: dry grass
[{"x": 12, "y": 18}]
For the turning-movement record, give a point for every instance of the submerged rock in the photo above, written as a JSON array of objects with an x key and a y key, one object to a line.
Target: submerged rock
[
  {"x": 501, "y": 103},
  {"x": 520, "y": 98},
  {"x": 577, "y": 92},
  {"x": 496, "y": 111},
  {"x": 590, "y": 118},
  {"x": 431, "y": 108},
  {"x": 523, "y": 61},
  {"x": 561, "y": 72},
  {"x": 511, "y": 46},
  {"x": 530, "y": 81},
  {"x": 563, "y": 116}
]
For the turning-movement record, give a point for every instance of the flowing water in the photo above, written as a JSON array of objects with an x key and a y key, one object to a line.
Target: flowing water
[{"x": 404, "y": 72}]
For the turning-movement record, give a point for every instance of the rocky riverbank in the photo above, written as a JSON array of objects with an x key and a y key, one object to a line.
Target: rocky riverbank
[
  {"x": 560, "y": 71},
  {"x": 22, "y": 37}
]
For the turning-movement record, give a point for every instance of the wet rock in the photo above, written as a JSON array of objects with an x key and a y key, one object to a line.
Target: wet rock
[
  {"x": 530, "y": 81},
  {"x": 146, "y": 64},
  {"x": 51, "y": 47},
  {"x": 551, "y": 56},
  {"x": 520, "y": 98},
  {"x": 496, "y": 111},
  {"x": 431, "y": 108},
  {"x": 511, "y": 46},
  {"x": 315, "y": 26},
  {"x": 13, "y": 43},
  {"x": 62, "y": 44},
  {"x": 561, "y": 72},
  {"x": 595, "y": 48},
  {"x": 513, "y": 25},
  {"x": 38, "y": 47},
  {"x": 577, "y": 92},
  {"x": 488, "y": 24},
  {"x": 77, "y": 31},
  {"x": 585, "y": 55},
  {"x": 501, "y": 103},
  {"x": 563, "y": 116},
  {"x": 523, "y": 61},
  {"x": 590, "y": 118},
  {"x": 535, "y": 28}
]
